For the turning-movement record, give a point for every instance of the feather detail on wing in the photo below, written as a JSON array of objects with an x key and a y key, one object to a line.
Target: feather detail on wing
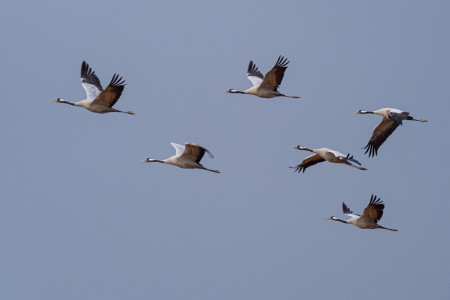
[
  {"x": 253, "y": 74},
  {"x": 308, "y": 162},
  {"x": 379, "y": 136},
  {"x": 112, "y": 93},
  {"x": 273, "y": 78},
  {"x": 347, "y": 211},
  {"x": 90, "y": 81},
  {"x": 179, "y": 149},
  {"x": 374, "y": 210},
  {"x": 398, "y": 117},
  {"x": 195, "y": 152}
]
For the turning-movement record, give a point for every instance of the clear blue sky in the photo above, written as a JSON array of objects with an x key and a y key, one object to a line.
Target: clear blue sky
[{"x": 82, "y": 218}]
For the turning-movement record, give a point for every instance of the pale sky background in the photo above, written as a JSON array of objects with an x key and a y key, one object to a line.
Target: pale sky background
[{"x": 81, "y": 217}]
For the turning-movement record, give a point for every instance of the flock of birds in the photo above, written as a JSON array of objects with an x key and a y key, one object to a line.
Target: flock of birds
[{"x": 101, "y": 101}]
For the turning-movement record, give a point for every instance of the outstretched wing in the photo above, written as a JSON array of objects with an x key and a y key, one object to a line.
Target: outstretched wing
[
  {"x": 112, "y": 93},
  {"x": 347, "y": 211},
  {"x": 253, "y": 74},
  {"x": 194, "y": 152},
  {"x": 398, "y": 116},
  {"x": 179, "y": 149},
  {"x": 379, "y": 136},
  {"x": 308, "y": 162},
  {"x": 273, "y": 78},
  {"x": 90, "y": 81},
  {"x": 374, "y": 210}
]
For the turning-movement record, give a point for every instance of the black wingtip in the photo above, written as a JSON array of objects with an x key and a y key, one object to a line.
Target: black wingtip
[
  {"x": 345, "y": 209},
  {"x": 86, "y": 69},
  {"x": 116, "y": 81},
  {"x": 282, "y": 62},
  {"x": 375, "y": 200},
  {"x": 252, "y": 68},
  {"x": 298, "y": 169},
  {"x": 373, "y": 151},
  {"x": 209, "y": 153}
]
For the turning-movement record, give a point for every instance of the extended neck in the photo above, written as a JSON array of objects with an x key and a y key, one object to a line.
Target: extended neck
[
  {"x": 303, "y": 148},
  {"x": 234, "y": 91},
  {"x": 59, "y": 100},
  {"x": 337, "y": 219},
  {"x": 364, "y": 112},
  {"x": 154, "y": 160}
]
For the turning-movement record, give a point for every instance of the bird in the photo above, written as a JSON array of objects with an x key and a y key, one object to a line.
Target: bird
[
  {"x": 324, "y": 154},
  {"x": 186, "y": 157},
  {"x": 265, "y": 86},
  {"x": 392, "y": 118},
  {"x": 97, "y": 99},
  {"x": 369, "y": 218}
]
